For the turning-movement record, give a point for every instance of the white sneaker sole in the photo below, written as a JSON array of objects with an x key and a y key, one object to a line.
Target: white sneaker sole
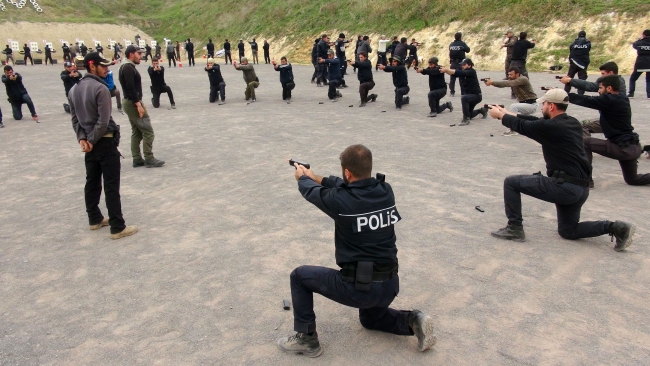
[
  {"x": 629, "y": 239},
  {"x": 426, "y": 340}
]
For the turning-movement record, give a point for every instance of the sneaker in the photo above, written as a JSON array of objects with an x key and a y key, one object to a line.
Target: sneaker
[
  {"x": 154, "y": 163},
  {"x": 128, "y": 231},
  {"x": 35, "y": 118},
  {"x": 406, "y": 100},
  {"x": 373, "y": 97},
  {"x": 464, "y": 122},
  {"x": 100, "y": 225},
  {"x": 452, "y": 93},
  {"x": 509, "y": 132},
  {"x": 450, "y": 106},
  {"x": 362, "y": 104},
  {"x": 173, "y": 106},
  {"x": 484, "y": 112},
  {"x": 222, "y": 102},
  {"x": 422, "y": 326},
  {"x": 432, "y": 114},
  {"x": 630, "y": 95},
  {"x": 138, "y": 163},
  {"x": 120, "y": 110},
  {"x": 623, "y": 233},
  {"x": 338, "y": 94},
  {"x": 334, "y": 100},
  {"x": 510, "y": 232},
  {"x": 319, "y": 85},
  {"x": 301, "y": 344}
]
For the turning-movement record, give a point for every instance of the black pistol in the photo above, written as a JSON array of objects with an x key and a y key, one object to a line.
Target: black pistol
[{"x": 292, "y": 162}]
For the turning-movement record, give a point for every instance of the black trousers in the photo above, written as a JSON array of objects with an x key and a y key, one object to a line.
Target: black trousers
[
  {"x": 381, "y": 59},
  {"x": 374, "y": 311},
  {"x": 171, "y": 57},
  {"x": 344, "y": 66},
  {"x": 573, "y": 70},
  {"x": 364, "y": 89},
  {"x": 635, "y": 76},
  {"x": 28, "y": 57},
  {"x": 156, "y": 95},
  {"x": 521, "y": 64},
  {"x": 434, "y": 99},
  {"x": 48, "y": 57},
  {"x": 104, "y": 161},
  {"x": 321, "y": 77},
  {"x": 17, "y": 107},
  {"x": 627, "y": 158},
  {"x": 286, "y": 90},
  {"x": 241, "y": 54},
  {"x": 315, "y": 75},
  {"x": 227, "y": 56},
  {"x": 267, "y": 57},
  {"x": 215, "y": 90},
  {"x": 568, "y": 200},
  {"x": 331, "y": 91},
  {"x": 147, "y": 56},
  {"x": 452, "y": 78},
  {"x": 210, "y": 54},
  {"x": 469, "y": 101},
  {"x": 190, "y": 59},
  {"x": 399, "y": 95}
]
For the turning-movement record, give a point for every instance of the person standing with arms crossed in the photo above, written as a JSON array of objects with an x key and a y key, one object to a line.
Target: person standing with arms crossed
[
  {"x": 141, "y": 128},
  {"x": 98, "y": 136}
]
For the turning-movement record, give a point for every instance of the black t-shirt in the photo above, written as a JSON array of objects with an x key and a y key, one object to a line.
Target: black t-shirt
[
  {"x": 436, "y": 78},
  {"x": 561, "y": 140}
]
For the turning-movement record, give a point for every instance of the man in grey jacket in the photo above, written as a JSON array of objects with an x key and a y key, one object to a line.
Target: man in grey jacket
[
  {"x": 592, "y": 125},
  {"x": 365, "y": 47},
  {"x": 98, "y": 136}
]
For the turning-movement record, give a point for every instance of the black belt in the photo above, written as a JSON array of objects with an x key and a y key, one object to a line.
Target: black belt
[
  {"x": 559, "y": 177},
  {"x": 349, "y": 273},
  {"x": 529, "y": 101}
]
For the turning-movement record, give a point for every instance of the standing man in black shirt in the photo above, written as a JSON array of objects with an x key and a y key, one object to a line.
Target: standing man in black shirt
[
  {"x": 437, "y": 87},
  {"x": 210, "y": 48},
  {"x": 48, "y": 54},
  {"x": 340, "y": 52},
  {"x": 158, "y": 85},
  {"x": 400, "y": 81},
  {"x": 17, "y": 94},
  {"x": 9, "y": 53},
  {"x": 621, "y": 143},
  {"x": 520, "y": 52},
  {"x": 254, "y": 51},
  {"x": 364, "y": 213},
  {"x": 142, "y": 130},
  {"x": 400, "y": 49},
  {"x": 365, "y": 78},
  {"x": 578, "y": 59},
  {"x": 189, "y": 48},
  {"x": 240, "y": 46},
  {"x": 413, "y": 54},
  {"x": 567, "y": 169},
  {"x": 470, "y": 90},
  {"x": 226, "y": 52},
  {"x": 391, "y": 48},
  {"x": 147, "y": 53},
  {"x": 28, "y": 54},
  {"x": 84, "y": 49},
  {"x": 98, "y": 136},
  {"x": 314, "y": 60},
  {"x": 70, "y": 77},
  {"x": 322, "y": 51},
  {"x": 217, "y": 84},
  {"x": 267, "y": 56},
  {"x": 642, "y": 64},
  {"x": 66, "y": 52},
  {"x": 457, "y": 50}
]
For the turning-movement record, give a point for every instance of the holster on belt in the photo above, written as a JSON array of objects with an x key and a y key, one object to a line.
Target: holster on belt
[
  {"x": 560, "y": 176},
  {"x": 364, "y": 276}
]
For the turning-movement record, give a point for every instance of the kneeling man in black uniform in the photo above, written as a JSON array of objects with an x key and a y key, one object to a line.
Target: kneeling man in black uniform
[
  {"x": 364, "y": 213},
  {"x": 567, "y": 170}
]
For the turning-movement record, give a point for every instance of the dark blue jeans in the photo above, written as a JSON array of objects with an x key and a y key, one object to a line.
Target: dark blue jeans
[
  {"x": 469, "y": 101},
  {"x": 17, "y": 107},
  {"x": 568, "y": 199},
  {"x": 374, "y": 312},
  {"x": 635, "y": 76}
]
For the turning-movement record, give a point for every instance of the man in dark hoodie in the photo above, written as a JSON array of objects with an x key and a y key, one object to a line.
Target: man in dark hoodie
[
  {"x": 400, "y": 80},
  {"x": 578, "y": 59},
  {"x": 286, "y": 78},
  {"x": 366, "y": 82},
  {"x": 70, "y": 77},
  {"x": 217, "y": 84},
  {"x": 457, "y": 50},
  {"x": 642, "y": 64},
  {"x": 17, "y": 94},
  {"x": 333, "y": 74}
]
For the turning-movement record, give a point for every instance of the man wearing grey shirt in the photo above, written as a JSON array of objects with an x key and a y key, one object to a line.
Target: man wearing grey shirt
[{"x": 98, "y": 136}]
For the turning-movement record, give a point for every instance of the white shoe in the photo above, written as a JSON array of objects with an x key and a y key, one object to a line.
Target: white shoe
[{"x": 509, "y": 133}]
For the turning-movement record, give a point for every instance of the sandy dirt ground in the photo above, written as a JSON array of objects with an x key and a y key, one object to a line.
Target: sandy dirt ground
[{"x": 222, "y": 225}]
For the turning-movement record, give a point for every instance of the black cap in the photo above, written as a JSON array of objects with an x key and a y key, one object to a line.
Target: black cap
[
  {"x": 132, "y": 49},
  {"x": 341, "y": 35},
  {"x": 467, "y": 61},
  {"x": 95, "y": 58}
]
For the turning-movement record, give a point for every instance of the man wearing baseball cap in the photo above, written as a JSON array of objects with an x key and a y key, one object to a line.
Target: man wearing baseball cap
[
  {"x": 470, "y": 90},
  {"x": 567, "y": 169},
  {"x": 400, "y": 81},
  {"x": 141, "y": 128},
  {"x": 98, "y": 136}
]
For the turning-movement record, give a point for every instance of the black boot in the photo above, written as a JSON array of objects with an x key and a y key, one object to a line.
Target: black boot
[
  {"x": 301, "y": 343},
  {"x": 422, "y": 326},
  {"x": 510, "y": 232}
]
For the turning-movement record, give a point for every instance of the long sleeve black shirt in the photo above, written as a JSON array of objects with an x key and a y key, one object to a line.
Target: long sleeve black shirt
[
  {"x": 131, "y": 82},
  {"x": 286, "y": 73},
  {"x": 210, "y": 47},
  {"x": 15, "y": 88},
  {"x": 457, "y": 50},
  {"x": 642, "y": 48},
  {"x": 364, "y": 215},
  {"x": 69, "y": 81},
  {"x": 214, "y": 75},
  {"x": 436, "y": 78},
  {"x": 226, "y": 46},
  {"x": 157, "y": 77},
  {"x": 400, "y": 78},
  {"x": 520, "y": 49},
  {"x": 365, "y": 71},
  {"x": 561, "y": 140},
  {"x": 615, "y": 115},
  {"x": 468, "y": 81},
  {"x": 579, "y": 52}
]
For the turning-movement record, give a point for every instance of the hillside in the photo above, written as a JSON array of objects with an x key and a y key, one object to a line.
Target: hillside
[{"x": 292, "y": 24}]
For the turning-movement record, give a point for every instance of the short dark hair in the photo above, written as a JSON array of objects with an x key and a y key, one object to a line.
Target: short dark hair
[
  {"x": 515, "y": 69},
  {"x": 610, "y": 66},
  {"x": 458, "y": 36},
  {"x": 523, "y": 35},
  {"x": 365, "y": 54},
  {"x": 610, "y": 80},
  {"x": 646, "y": 32},
  {"x": 323, "y": 36},
  {"x": 403, "y": 39},
  {"x": 210, "y": 40},
  {"x": 283, "y": 58},
  {"x": 8, "y": 68},
  {"x": 358, "y": 160},
  {"x": 365, "y": 38},
  {"x": 561, "y": 107},
  {"x": 155, "y": 59}
]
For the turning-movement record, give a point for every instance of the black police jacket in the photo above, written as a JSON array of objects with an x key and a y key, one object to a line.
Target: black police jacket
[
  {"x": 642, "y": 48},
  {"x": 214, "y": 75},
  {"x": 579, "y": 52},
  {"x": 157, "y": 77},
  {"x": 364, "y": 215},
  {"x": 468, "y": 81},
  {"x": 457, "y": 50},
  {"x": 365, "y": 71},
  {"x": 322, "y": 48}
]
